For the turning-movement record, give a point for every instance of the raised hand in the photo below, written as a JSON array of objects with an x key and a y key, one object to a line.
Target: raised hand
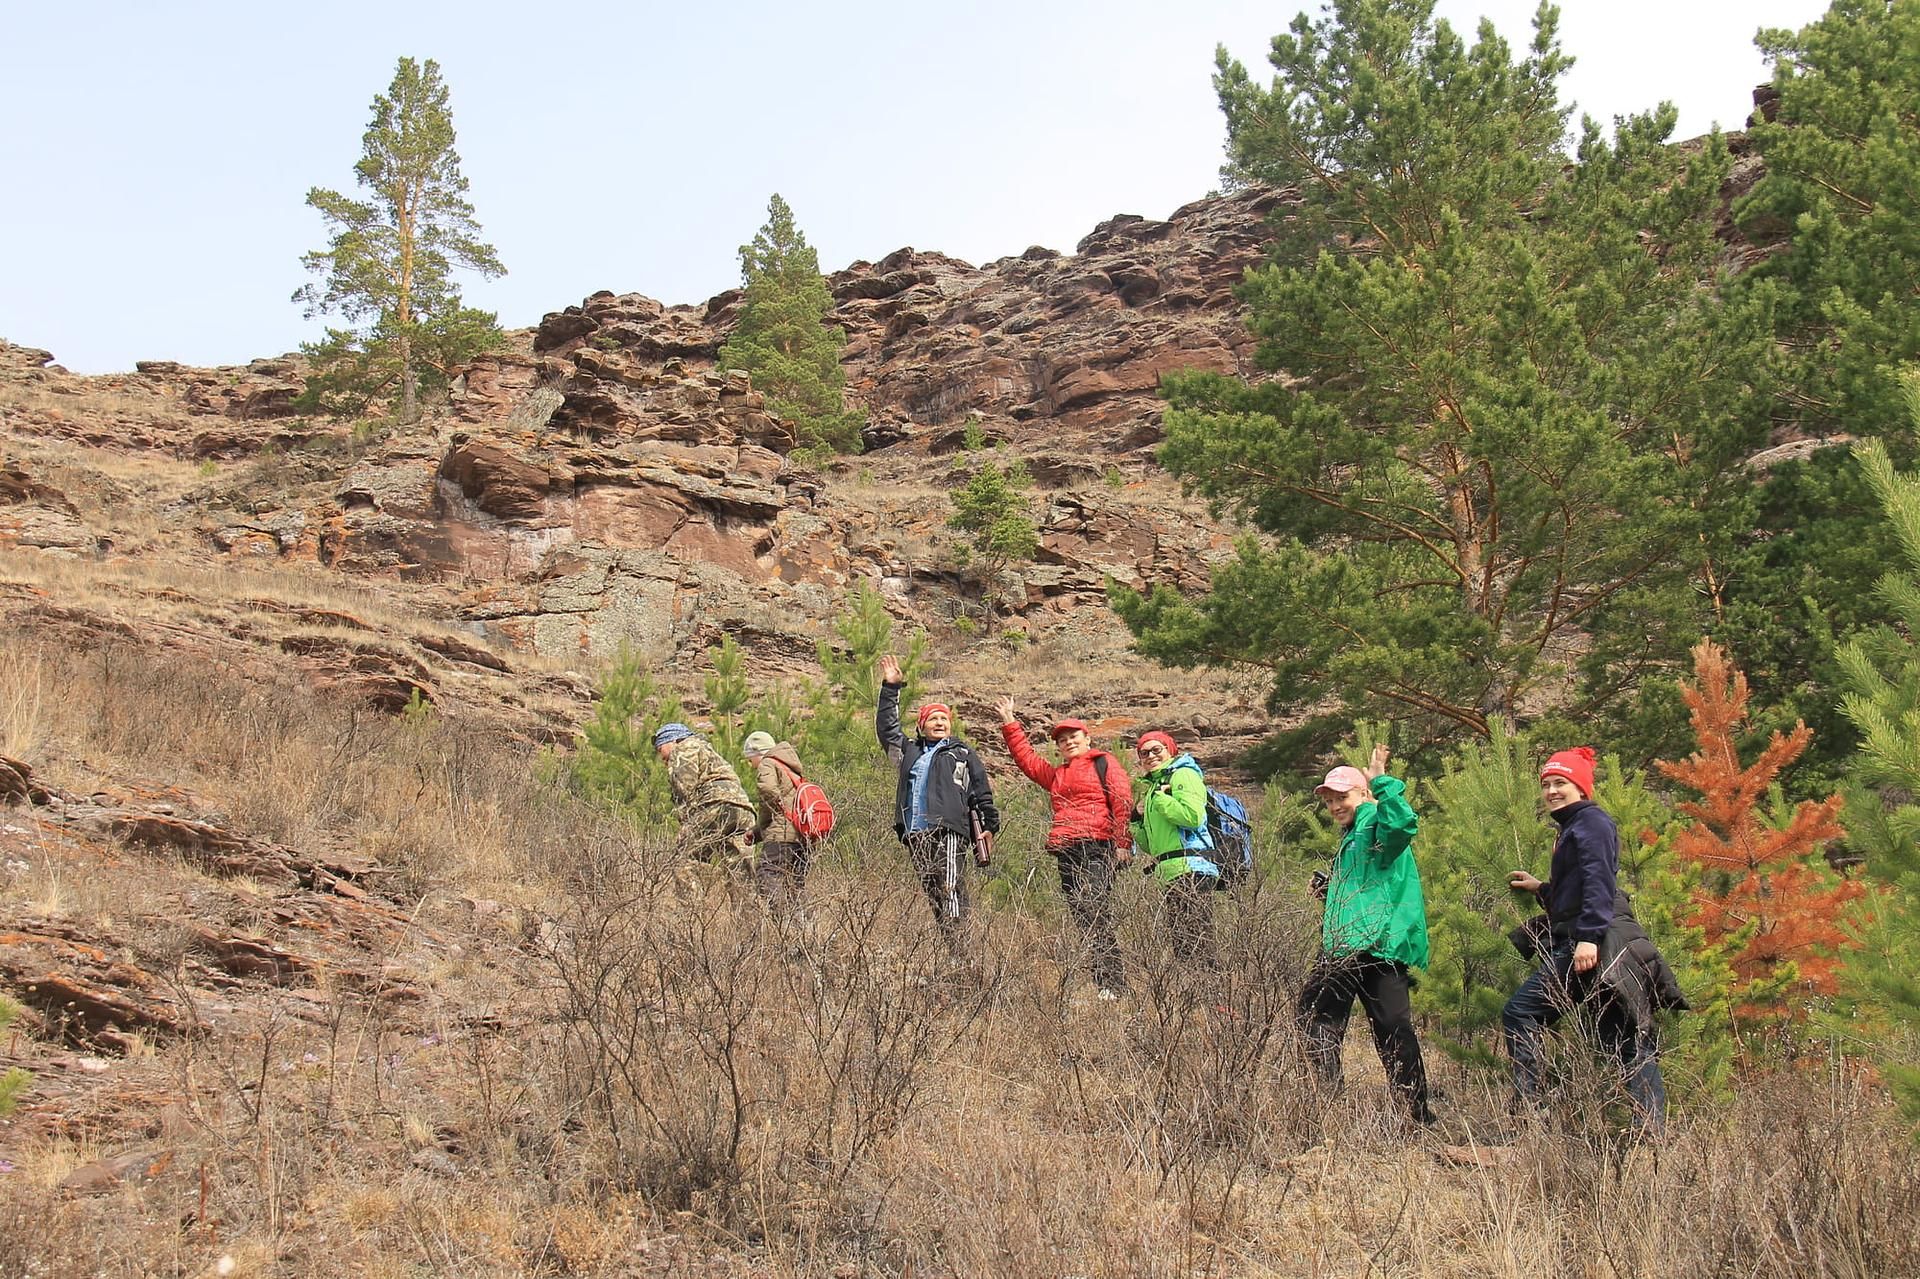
[
  {"x": 890, "y": 672},
  {"x": 1377, "y": 766},
  {"x": 1005, "y": 707}
]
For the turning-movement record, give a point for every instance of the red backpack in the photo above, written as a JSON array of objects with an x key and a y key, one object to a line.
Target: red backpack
[{"x": 811, "y": 812}]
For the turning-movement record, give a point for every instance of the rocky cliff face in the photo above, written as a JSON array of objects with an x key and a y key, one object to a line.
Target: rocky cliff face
[
  {"x": 601, "y": 482},
  {"x": 185, "y": 534},
  {"x": 634, "y": 480}
]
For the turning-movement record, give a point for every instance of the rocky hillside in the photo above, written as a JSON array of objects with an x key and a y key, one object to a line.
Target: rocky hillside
[
  {"x": 601, "y": 482},
  {"x": 226, "y": 834},
  {"x": 314, "y": 973}
]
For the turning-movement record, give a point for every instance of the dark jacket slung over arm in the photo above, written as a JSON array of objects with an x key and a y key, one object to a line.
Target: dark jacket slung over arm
[
  {"x": 1631, "y": 970},
  {"x": 1583, "y": 902}
]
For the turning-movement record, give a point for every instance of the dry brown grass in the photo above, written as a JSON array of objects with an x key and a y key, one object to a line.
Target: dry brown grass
[
  {"x": 282, "y": 762},
  {"x": 136, "y": 500},
  {"x": 23, "y": 699},
  {"x": 651, "y": 1077},
  {"x": 201, "y": 582},
  {"x": 95, "y": 402},
  {"x": 274, "y": 597},
  {"x": 831, "y": 1115}
]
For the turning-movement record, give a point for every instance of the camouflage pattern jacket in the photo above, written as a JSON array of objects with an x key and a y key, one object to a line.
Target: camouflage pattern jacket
[{"x": 701, "y": 779}]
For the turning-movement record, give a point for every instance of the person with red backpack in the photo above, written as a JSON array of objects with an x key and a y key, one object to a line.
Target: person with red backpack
[
  {"x": 787, "y": 803},
  {"x": 1092, "y": 804}
]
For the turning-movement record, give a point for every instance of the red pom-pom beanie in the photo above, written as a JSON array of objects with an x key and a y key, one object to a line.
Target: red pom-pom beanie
[{"x": 1575, "y": 765}]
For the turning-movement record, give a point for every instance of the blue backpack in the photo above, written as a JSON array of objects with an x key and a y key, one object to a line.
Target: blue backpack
[
  {"x": 1227, "y": 837},
  {"x": 1232, "y": 837}
]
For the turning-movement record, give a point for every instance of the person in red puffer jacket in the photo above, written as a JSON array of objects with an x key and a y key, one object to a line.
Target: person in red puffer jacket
[{"x": 1090, "y": 837}]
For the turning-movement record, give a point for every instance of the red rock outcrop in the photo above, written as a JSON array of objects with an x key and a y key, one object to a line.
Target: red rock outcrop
[
  {"x": 166, "y": 407},
  {"x": 600, "y": 481},
  {"x": 1072, "y": 347},
  {"x": 617, "y": 487},
  {"x": 39, "y": 515}
]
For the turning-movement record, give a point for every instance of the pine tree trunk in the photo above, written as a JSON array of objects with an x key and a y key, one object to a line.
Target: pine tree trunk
[
  {"x": 409, "y": 380},
  {"x": 409, "y": 383}
]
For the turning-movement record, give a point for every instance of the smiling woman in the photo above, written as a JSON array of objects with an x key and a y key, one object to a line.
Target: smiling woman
[
  {"x": 1373, "y": 930},
  {"x": 1586, "y": 914},
  {"x": 1089, "y": 836},
  {"x": 1170, "y": 827}
]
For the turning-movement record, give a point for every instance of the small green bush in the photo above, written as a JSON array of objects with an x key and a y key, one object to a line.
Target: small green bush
[{"x": 15, "y": 1081}]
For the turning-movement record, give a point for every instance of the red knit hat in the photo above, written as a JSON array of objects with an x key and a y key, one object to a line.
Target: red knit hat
[
  {"x": 1575, "y": 765},
  {"x": 928, "y": 709},
  {"x": 1156, "y": 736}
]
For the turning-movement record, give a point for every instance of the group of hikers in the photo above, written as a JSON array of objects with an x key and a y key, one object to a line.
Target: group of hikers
[{"x": 1590, "y": 954}]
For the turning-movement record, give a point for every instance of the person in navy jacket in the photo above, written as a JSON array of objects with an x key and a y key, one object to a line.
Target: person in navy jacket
[{"x": 1584, "y": 907}]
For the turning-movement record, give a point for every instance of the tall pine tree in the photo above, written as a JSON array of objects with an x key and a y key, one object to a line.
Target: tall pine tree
[
  {"x": 1506, "y": 392},
  {"x": 390, "y": 258},
  {"x": 1842, "y": 183},
  {"x": 783, "y": 341},
  {"x": 1882, "y": 672}
]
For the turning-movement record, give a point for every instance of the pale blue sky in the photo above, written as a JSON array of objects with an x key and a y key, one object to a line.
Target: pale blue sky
[{"x": 157, "y": 156}]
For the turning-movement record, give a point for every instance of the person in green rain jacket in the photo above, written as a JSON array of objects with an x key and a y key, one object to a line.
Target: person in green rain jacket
[
  {"x": 1170, "y": 828},
  {"x": 1373, "y": 931}
]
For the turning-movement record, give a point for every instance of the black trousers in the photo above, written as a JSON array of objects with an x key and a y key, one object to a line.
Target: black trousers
[
  {"x": 1326, "y": 1004},
  {"x": 1187, "y": 916},
  {"x": 1086, "y": 880},
  {"x": 939, "y": 857}
]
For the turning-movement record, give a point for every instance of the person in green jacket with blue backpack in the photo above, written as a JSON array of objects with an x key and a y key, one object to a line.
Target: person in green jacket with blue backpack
[
  {"x": 1373, "y": 931},
  {"x": 1170, "y": 827}
]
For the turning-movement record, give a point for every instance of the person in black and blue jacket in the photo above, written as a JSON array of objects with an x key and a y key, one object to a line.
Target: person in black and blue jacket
[
  {"x": 1590, "y": 949},
  {"x": 943, "y": 783}
]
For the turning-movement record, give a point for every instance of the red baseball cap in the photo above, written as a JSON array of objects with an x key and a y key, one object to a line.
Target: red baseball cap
[{"x": 1067, "y": 726}]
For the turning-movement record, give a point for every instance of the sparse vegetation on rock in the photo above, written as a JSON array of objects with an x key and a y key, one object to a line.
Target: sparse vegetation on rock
[
  {"x": 784, "y": 340},
  {"x": 993, "y": 510}
]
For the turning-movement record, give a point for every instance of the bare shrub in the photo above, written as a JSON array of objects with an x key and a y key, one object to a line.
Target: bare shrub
[
  {"x": 719, "y": 1051},
  {"x": 1209, "y": 1047}
]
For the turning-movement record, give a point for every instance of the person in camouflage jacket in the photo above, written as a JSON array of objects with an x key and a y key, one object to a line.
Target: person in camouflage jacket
[{"x": 716, "y": 816}]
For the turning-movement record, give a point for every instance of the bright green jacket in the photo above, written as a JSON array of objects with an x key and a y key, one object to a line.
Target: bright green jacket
[
  {"x": 1374, "y": 903},
  {"x": 1171, "y": 820}
]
